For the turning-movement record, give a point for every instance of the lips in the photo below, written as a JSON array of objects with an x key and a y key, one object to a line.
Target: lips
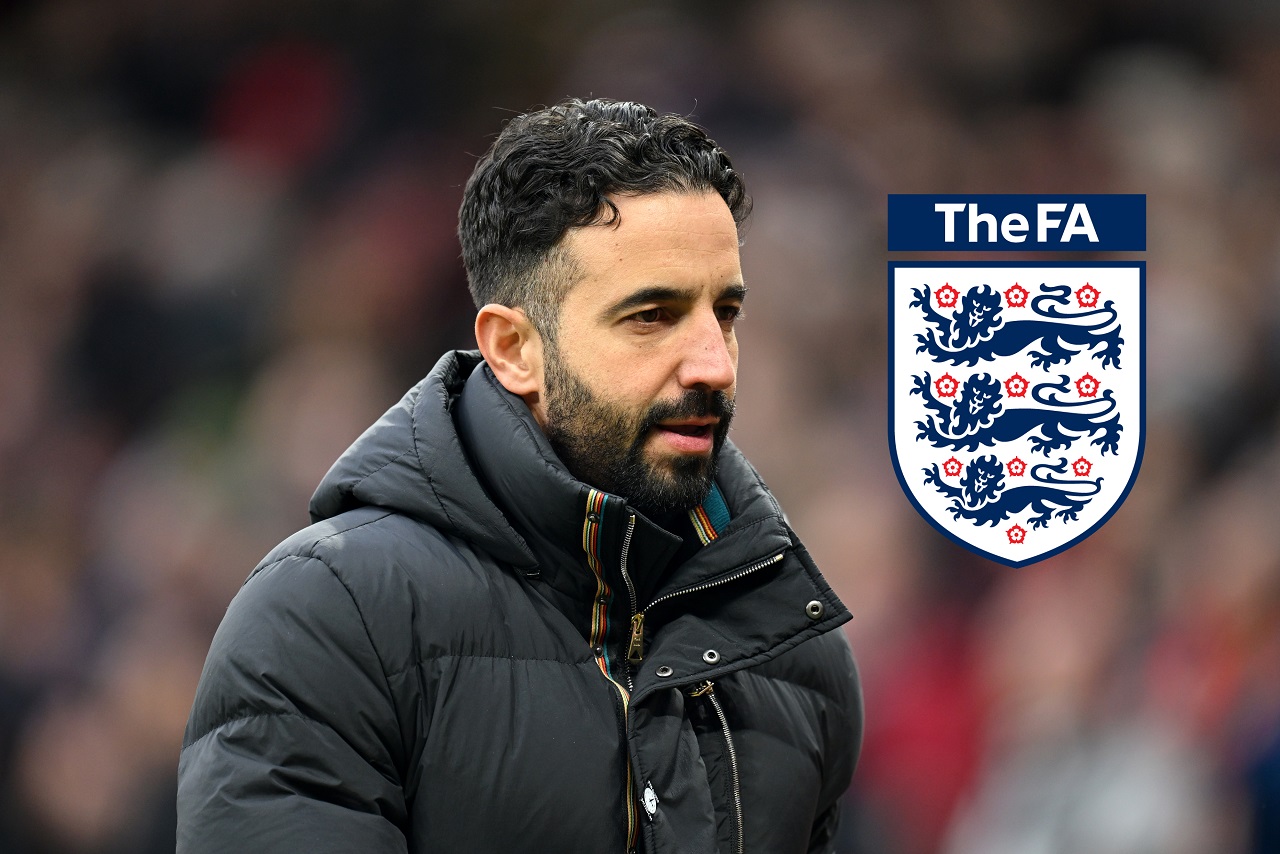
[
  {"x": 694, "y": 436},
  {"x": 699, "y": 427}
]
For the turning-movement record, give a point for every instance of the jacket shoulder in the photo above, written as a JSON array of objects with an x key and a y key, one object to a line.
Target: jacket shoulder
[
  {"x": 823, "y": 665},
  {"x": 356, "y": 539},
  {"x": 421, "y": 593}
]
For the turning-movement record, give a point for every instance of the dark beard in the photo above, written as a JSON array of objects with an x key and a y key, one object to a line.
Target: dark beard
[{"x": 603, "y": 446}]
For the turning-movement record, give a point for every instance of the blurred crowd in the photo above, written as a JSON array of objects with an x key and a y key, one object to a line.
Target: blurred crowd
[{"x": 227, "y": 245}]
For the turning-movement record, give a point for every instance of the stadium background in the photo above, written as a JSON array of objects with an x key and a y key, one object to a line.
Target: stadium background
[{"x": 227, "y": 244}]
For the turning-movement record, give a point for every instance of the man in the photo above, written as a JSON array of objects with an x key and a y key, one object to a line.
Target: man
[{"x": 545, "y": 606}]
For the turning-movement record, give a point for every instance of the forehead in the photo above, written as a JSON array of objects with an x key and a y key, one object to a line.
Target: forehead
[{"x": 674, "y": 239}]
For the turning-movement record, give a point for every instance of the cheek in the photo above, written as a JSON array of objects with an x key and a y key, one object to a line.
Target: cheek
[
  {"x": 633, "y": 376},
  {"x": 619, "y": 382}
]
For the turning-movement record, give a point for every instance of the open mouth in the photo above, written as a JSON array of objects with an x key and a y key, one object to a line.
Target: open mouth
[
  {"x": 688, "y": 429},
  {"x": 688, "y": 438}
]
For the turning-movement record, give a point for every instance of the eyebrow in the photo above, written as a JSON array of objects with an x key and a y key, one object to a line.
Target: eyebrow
[{"x": 660, "y": 293}]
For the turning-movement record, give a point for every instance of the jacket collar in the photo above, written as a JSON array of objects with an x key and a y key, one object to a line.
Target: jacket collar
[
  {"x": 563, "y": 520},
  {"x": 549, "y": 507},
  {"x": 465, "y": 455},
  {"x": 412, "y": 461}
]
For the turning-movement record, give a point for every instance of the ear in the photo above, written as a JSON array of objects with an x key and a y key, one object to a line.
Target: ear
[{"x": 513, "y": 348}]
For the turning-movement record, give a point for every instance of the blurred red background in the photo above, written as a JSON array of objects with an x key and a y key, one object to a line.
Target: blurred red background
[{"x": 226, "y": 246}]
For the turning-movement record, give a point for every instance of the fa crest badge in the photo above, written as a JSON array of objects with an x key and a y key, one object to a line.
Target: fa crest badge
[{"x": 1017, "y": 399}]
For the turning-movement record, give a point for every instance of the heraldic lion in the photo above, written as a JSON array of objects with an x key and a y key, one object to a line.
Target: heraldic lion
[
  {"x": 977, "y": 331},
  {"x": 980, "y": 497},
  {"x": 978, "y": 416}
]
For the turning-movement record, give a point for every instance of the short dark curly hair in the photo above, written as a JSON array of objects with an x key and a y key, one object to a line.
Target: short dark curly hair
[{"x": 553, "y": 169}]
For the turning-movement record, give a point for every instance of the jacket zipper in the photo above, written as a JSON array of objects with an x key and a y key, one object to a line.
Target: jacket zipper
[
  {"x": 635, "y": 650},
  {"x": 631, "y": 591},
  {"x": 599, "y": 640},
  {"x": 707, "y": 689},
  {"x": 633, "y": 821},
  {"x": 635, "y": 655}
]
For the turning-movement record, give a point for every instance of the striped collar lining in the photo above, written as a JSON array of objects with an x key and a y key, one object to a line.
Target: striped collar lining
[{"x": 711, "y": 517}]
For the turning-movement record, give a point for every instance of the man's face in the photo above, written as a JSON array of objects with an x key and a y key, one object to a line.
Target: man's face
[{"x": 639, "y": 384}]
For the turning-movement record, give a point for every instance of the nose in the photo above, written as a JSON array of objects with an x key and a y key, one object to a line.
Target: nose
[{"x": 710, "y": 357}]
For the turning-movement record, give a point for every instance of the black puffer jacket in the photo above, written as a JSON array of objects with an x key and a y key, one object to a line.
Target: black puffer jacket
[{"x": 440, "y": 662}]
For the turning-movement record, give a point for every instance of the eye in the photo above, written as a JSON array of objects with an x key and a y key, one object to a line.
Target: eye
[
  {"x": 729, "y": 313},
  {"x": 649, "y": 315}
]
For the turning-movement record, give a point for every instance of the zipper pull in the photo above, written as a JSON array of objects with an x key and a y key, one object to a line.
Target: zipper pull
[
  {"x": 635, "y": 652},
  {"x": 705, "y": 688}
]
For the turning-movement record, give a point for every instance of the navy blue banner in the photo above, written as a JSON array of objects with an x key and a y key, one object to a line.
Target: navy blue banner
[{"x": 983, "y": 223}]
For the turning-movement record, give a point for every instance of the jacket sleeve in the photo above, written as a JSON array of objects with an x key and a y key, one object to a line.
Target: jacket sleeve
[
  {"x": 844, "y": 741},
  {"x": 292, "y": 744}
]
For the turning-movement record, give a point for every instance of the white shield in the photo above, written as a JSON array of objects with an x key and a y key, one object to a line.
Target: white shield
[{"x": 1017, "y": 399}]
